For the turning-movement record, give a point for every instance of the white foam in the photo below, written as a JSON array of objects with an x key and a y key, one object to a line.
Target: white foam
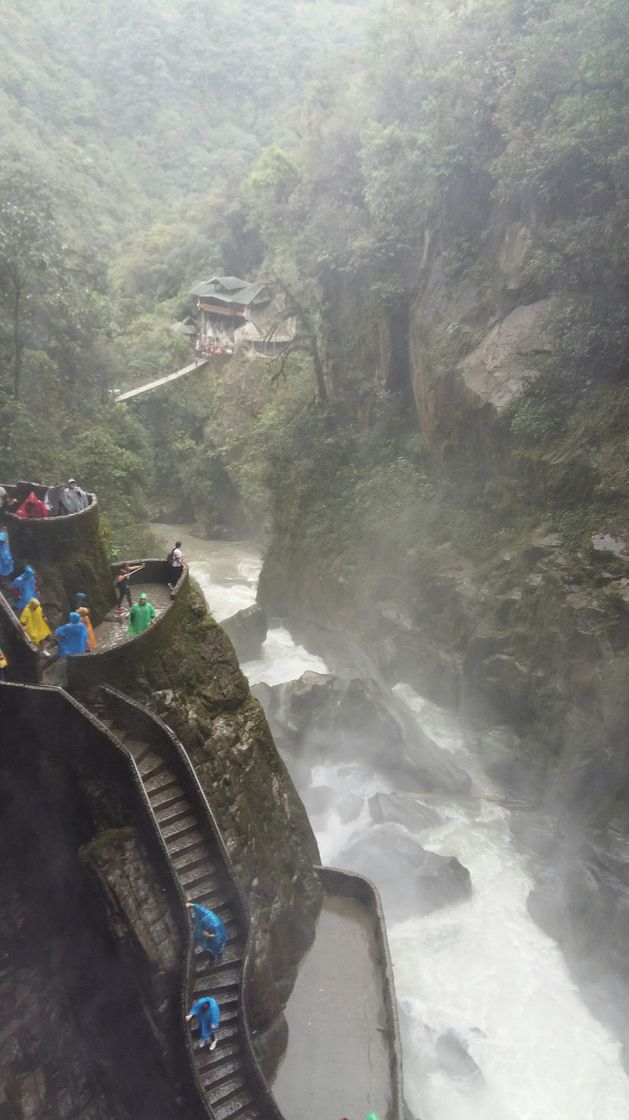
[
  {"x": 480, "y": 968},
  {"x": 282, "y": 660}
]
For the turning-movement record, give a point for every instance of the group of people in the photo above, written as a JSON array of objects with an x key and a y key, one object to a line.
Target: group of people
[
  {"x": 211, "y": 936},
  {"x": 58, "y": 501},
  {"x": 209, "y": 347},
  {"x": 77, "y": 634}
]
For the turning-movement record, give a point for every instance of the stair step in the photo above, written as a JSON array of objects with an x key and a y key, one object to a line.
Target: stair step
[
  {"x": 229, "y": 1014},
  {"x": 190, "y": 859},
  {"x": 225, "y": 1062},
  {"x": 233, "y": 1108},
  {"x": 177, "y": 844},
  {"x": 173, "y": 812},
  {"x": 149, "y": 764},
  {"x": 164, "y": 798},
  {"x": 160, "y": 781},
  {"x": 251, "y": 1112},
  {"x": 189, "y": 879},
  {"x": 221, "y": 1091},
  {"x": 179, "y": 827},
  {"x": 139, "y": 756},
  {"x": 228, "y": 1033},
  {"x": 221, "y": 982},
  {"x": 135, "y": 746},
  {"x": 230, "y": 959},
  {"x": 206, "y": 895}
]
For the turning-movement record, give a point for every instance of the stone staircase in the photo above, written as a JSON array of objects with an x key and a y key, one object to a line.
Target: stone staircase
[{"x": 233, "y": 1091}]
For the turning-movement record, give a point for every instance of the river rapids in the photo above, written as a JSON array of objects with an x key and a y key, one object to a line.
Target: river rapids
[{"x": 479, "y": 972}]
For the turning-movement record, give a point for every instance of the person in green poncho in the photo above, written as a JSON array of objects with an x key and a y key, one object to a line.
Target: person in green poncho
[{"x": 141, "y": 616}]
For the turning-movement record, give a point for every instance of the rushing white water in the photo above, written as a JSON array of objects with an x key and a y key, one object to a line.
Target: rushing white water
[{"x": 480, "y": 968}]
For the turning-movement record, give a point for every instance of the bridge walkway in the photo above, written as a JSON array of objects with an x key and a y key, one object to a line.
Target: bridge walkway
[
  {"x": 129, "y": 393},
  {"x": 225, "y": 1074}
]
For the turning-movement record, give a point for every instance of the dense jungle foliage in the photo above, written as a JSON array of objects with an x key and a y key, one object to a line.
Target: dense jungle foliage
[
  {"x": 126, "y": 131},
  {"x": 147, "y": 143}
]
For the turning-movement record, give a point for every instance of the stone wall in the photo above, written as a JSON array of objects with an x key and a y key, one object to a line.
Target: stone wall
[
  {"x": 68, "y": 553},
  {"x": 86, "y": 894}
]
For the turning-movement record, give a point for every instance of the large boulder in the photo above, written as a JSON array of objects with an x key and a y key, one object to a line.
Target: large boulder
[
  {"x": 247, "y": 631},
  {"x": 501, "y": 366},
  {"x": 396, "y": 808},
  {"x": 410, "y": 879}
]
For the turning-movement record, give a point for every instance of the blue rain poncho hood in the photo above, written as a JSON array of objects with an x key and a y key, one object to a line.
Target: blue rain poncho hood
[
  {"x": 206, "y": 921},
  {"x": 72, "y": 637},
  {"x": 208, "y": 1015},
  {"x": 6, "y": 559},
  {"x": 25, "y": 587}
]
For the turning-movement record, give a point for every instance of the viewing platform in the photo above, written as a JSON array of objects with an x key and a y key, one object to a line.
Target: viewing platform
[{"x": 343, "y": 1055}]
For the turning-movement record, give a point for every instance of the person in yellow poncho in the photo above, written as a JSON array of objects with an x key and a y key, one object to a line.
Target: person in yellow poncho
[
  {"x": 33, "y": 621},
  {"x": 84, "y": 615}
]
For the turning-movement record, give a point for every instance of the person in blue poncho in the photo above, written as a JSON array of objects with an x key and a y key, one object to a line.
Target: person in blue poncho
[
  {"x": 209, "y": 930},
  {"x": 208, "y": 1016},
  {"x": 72, "y": 637},
  {"x": 6, "y": 559},
  {"x": 24, "y": 587}
]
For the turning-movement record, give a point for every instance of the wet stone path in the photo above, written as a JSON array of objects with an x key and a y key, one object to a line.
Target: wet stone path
[{"x": 112, "y": 631}]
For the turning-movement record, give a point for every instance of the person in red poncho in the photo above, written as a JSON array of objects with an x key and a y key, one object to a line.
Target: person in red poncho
[{"x": 32, "y": 507}]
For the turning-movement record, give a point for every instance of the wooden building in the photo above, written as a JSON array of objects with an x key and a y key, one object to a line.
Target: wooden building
[{"x": 236, "y": 313}]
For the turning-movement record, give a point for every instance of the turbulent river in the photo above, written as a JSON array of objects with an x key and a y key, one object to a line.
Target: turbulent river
[{"x": 527, "y": 1046}]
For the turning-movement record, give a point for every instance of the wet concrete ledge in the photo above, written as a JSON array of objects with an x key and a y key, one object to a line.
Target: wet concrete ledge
[
  {"x": 344, "y": 1053},
  {"x": 120, "y": 663}
]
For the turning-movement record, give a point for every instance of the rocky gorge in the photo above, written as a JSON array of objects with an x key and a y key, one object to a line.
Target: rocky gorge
[{"x": 511, "y": 608}]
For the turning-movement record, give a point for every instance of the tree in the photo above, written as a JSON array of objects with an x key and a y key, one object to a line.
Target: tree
[{"x": 32, "y": 270}]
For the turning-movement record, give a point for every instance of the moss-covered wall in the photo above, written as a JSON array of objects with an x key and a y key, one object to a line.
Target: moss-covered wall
[
  {"x": 69, "y": 555},
  {"x": 188, "y": 674}
]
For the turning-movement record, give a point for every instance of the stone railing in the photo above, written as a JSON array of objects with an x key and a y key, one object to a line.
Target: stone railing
[
  {"x": 50, "y": 720},
  {"x": 21, "y": 653},
  {"x": 68, "y": 553},
  {"x": 148, "y": 728},
  {"x": 120, "y": 663},
  {"x": 349, "y": 885}
]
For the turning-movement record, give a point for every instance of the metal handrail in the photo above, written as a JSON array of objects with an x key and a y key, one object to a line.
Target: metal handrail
[{"x": 114, "y": 701}]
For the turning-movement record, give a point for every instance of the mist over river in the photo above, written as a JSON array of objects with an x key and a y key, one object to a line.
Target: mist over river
[{"x": 493, "y": 1025}]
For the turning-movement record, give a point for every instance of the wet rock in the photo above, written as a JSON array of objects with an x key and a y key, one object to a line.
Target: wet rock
[
  {"x": 247, "y": 631},
  {"x": 507, "y": 681},
  {"x": 309, "y": 697},
  {"x": 455, "y": 1059},
  {"x": 322, "y": 716},
  {"x": 318, "y": 799},
  {"x": 410, "y": 879},
  {"x": 298, "y": 769},
  {"x": 501, "y": 755},
  {"x": 349, "y": 807},
  {"x": 434, "y": 772},
  {"x": 498, "y": 369},
  {"x": 364, "y": 721},
  {"x": 605, "y": 547},
  {"x": 394, "y": 808},
  {"x": 534, "y": 833}
]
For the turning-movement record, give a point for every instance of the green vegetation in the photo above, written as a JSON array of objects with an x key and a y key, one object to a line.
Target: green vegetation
[
  {"x": 127, "y": 130},
  {"x": 374, "y": 180}
]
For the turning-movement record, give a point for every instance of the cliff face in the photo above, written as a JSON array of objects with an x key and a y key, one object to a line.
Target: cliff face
[
  {"x": 188, "y": 675},
  {"x": 187, "y": 672},
  {"x": 510, "y": 601}
]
